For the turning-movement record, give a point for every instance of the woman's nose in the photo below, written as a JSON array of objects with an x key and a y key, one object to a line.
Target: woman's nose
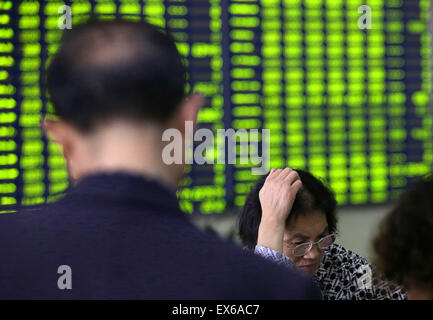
[{"x": 313, "y": 253}]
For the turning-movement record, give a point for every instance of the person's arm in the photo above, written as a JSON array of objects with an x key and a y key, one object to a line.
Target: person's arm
[
  {"x": 276, "y": 199},
  {"x": 273, "y": 255}
]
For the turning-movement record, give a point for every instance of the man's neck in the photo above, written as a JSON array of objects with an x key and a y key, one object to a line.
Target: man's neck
[{"x": 127, "y": 148}]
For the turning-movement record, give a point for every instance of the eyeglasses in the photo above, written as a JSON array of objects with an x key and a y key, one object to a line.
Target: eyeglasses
[{"x": 303, "y": 249}]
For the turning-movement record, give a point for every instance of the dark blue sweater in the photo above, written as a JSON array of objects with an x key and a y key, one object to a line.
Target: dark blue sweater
[{"x": 124, "y": 237}]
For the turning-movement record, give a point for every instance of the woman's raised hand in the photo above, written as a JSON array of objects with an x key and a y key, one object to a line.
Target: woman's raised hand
[{"x": 276, "y": 199}]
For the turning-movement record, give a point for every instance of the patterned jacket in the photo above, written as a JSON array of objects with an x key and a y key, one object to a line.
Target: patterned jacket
[{"x": 344, "y": 275}]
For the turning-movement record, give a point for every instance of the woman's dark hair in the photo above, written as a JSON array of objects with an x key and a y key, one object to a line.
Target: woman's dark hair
[
  {"x": 404, "y": 245},
  {"x": 106, "y": 69},
  {"x": 314, "y": 195}
]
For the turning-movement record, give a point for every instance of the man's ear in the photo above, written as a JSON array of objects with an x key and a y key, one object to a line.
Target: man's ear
[
  {"x": 189, "y": 109},
  {"x": 59, "y": 132},
  {"x": 53, "y": 129},
  {"x": 62, "y": 133}
]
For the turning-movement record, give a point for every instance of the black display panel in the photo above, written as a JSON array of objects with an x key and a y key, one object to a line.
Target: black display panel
[{"x": 343, "y": 98}]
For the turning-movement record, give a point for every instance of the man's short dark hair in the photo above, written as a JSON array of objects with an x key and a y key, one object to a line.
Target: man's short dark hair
[
  {"x": 403, "y": 246},
  {"x": 314, "y": 195},
  {"x": 115, "y": 69}
]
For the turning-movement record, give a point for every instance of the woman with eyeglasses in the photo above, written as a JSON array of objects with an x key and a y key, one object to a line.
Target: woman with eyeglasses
[{"x": 290, "y": 217}]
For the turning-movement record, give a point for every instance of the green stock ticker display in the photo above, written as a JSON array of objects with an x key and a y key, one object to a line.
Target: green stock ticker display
[{"x": 344, "y": 92}]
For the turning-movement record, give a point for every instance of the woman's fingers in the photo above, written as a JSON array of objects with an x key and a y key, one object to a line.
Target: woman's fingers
[
  {"x": 282, "y": 179},
  {"x": 284, "y": 173},
  {"x": 278, "y": 194},
  {"x": 292, "y": 177},
  {"x": 296, "y": 186},
  {"x": 270, "y": 174},
  {"x": 279, "y": 174}
]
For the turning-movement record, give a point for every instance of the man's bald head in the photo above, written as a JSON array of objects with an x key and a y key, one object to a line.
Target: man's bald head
[{"x": 116, "y": 69}]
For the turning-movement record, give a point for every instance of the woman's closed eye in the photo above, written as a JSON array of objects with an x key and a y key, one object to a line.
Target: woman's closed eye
[{"x": 298, "y": 243}]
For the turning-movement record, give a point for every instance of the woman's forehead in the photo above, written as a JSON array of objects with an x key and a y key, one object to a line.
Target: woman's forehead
[{"x": 310, "y": 224}]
